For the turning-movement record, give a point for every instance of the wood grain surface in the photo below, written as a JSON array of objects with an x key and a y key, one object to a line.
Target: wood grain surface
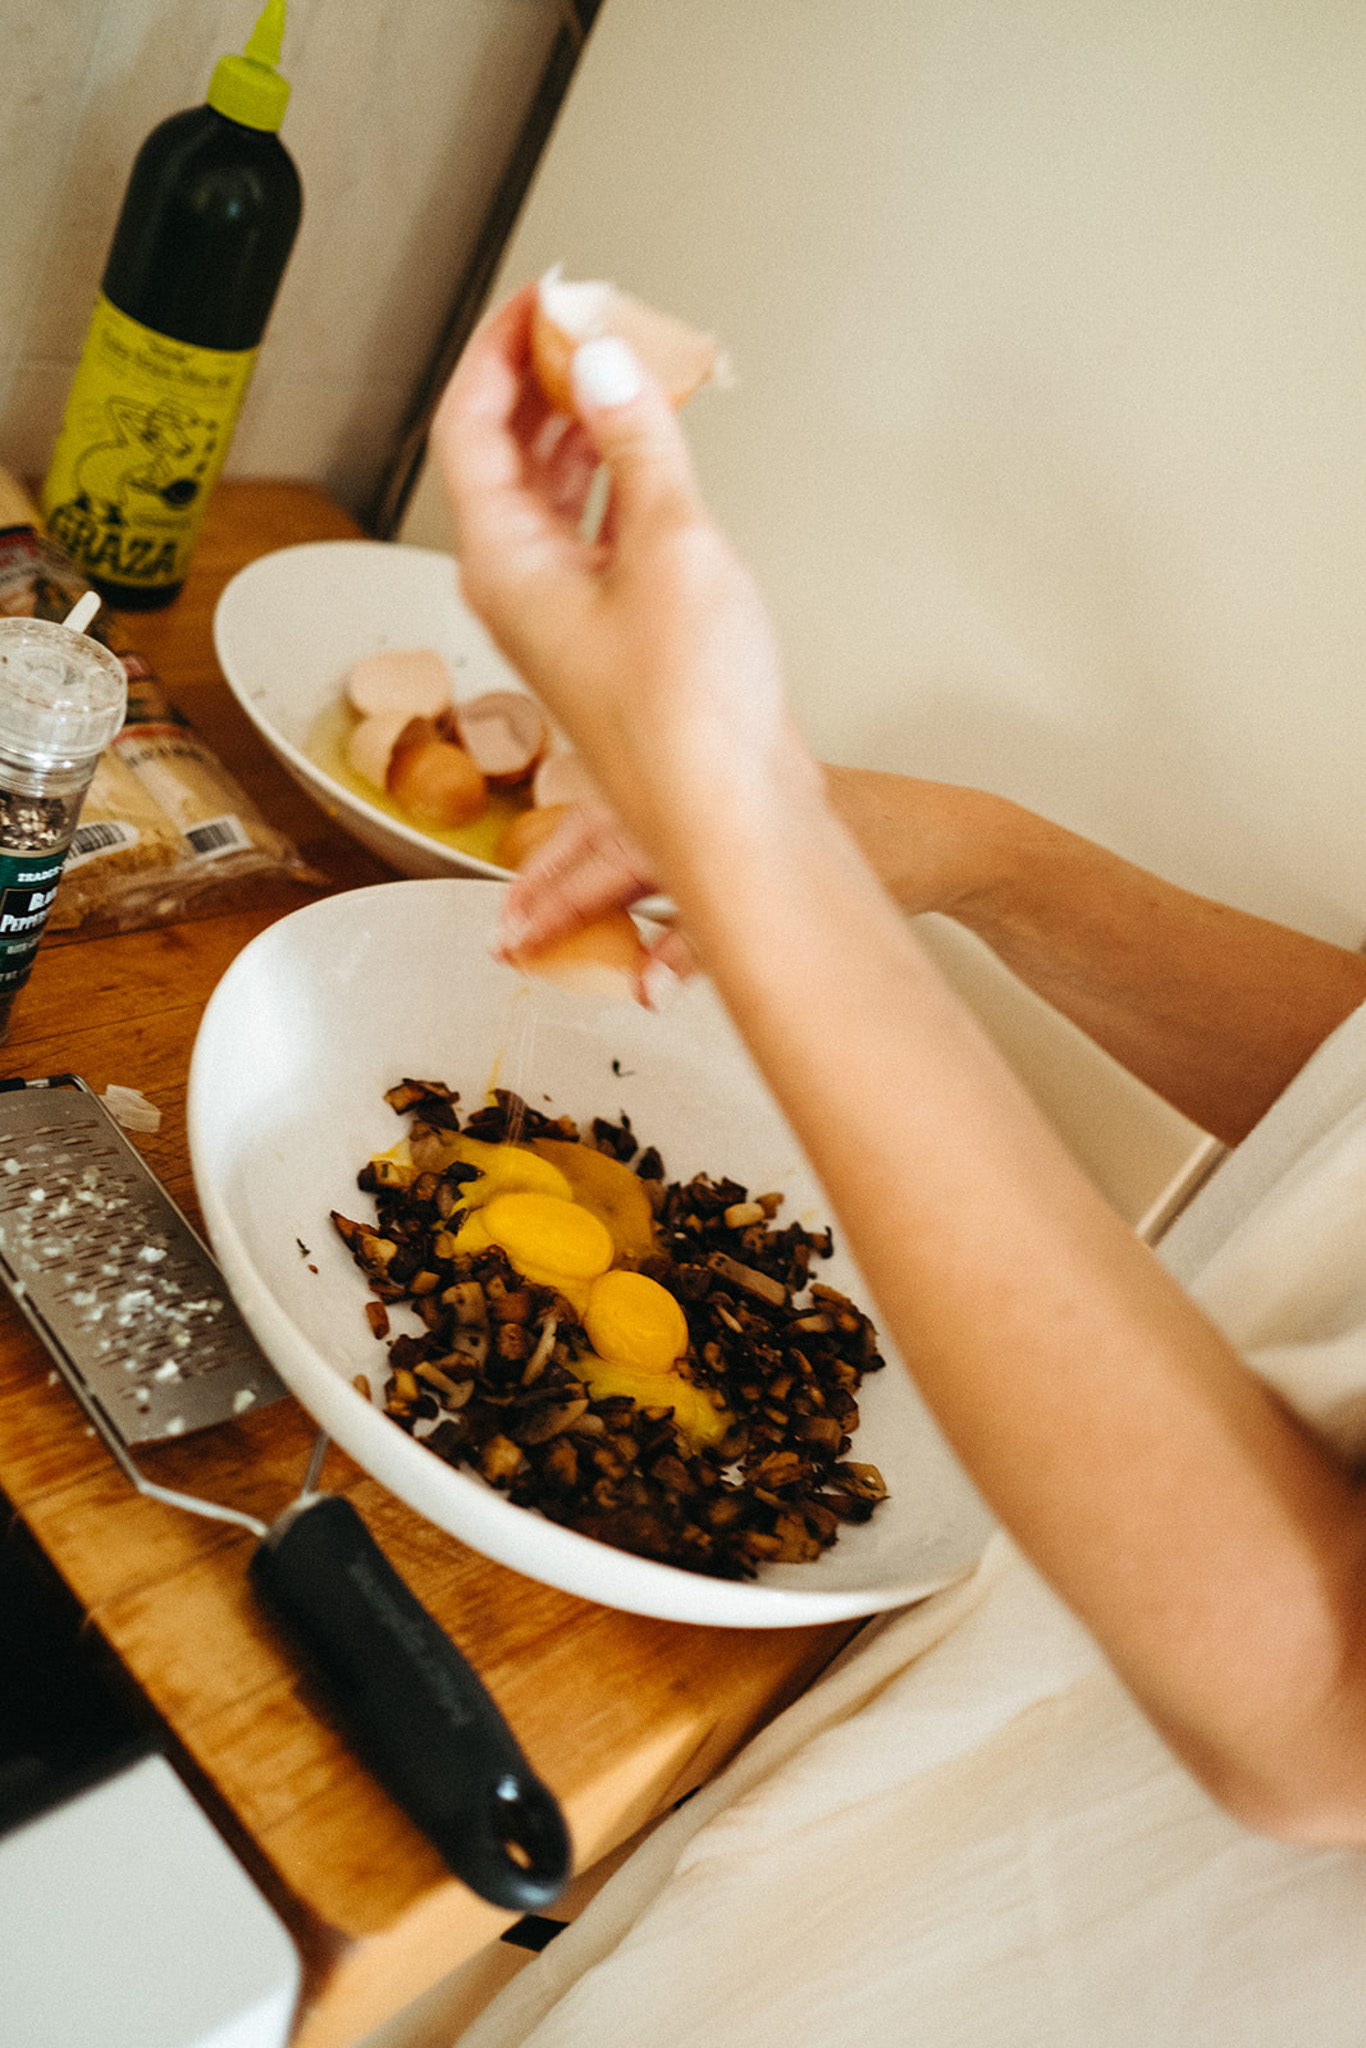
[{"x": 622, "y": 1716}]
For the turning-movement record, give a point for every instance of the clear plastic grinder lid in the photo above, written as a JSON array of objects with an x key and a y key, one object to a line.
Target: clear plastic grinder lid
[{"x": 62, "y": 694}]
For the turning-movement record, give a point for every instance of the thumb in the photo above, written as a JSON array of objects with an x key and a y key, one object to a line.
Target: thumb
[{"x": 632, "y": 426}]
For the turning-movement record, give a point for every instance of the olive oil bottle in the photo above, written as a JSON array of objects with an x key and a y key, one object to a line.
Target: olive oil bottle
[{"x": 206, "y": 228}]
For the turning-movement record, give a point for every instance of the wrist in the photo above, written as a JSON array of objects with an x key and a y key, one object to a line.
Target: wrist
[
  {"x": 696, "y": 791},
  {"x": 758, "y": 855}
]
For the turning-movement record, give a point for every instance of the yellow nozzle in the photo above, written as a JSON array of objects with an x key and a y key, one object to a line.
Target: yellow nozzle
[{"x": 248, "y": 88}]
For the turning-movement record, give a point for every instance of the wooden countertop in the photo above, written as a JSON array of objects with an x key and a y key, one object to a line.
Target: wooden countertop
[{"x": 620, "y": 1715}]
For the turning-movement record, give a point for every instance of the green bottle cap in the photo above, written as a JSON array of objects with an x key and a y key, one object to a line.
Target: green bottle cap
[{"x": 248, "y": 88}]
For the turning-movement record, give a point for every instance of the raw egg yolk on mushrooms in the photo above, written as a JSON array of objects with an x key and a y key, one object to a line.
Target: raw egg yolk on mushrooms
[
  {"x": 563, "y": 1215},
  {"x": 548, "y": 1237}
]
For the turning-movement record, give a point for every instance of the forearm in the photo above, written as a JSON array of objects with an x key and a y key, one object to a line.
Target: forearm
[
  {"x": 1214, "y": 1549},
  {"x": 1215, "y": 1009},
  {"x": 1211, "y": 1546}
]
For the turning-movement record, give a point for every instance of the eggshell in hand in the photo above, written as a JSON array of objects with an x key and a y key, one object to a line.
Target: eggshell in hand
[
  {"x": 605, "y": 959},
  {"x": 569, "y": 312},
  {"x": 528, "y": 831}
]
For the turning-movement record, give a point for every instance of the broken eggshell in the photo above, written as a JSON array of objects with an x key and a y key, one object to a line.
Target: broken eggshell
[
  {"x": 529, "y": 831},
  {"x": 412, "y": 680},
  {"x": 370, "y": 747},
  {"x": 433, "y": 778},
  {"x": 503, "y": 732},
  {"x": 563, "y": 779},
  {"x": 606, "y": 959},
  {"x": 569, "y": 312}
]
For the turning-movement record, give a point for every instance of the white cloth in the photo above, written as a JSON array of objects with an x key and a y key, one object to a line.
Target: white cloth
[{"x": 966, "y": 1833}]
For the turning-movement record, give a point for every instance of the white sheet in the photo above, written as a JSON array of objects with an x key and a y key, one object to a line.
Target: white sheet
[{"x": 966, "y": 1833}]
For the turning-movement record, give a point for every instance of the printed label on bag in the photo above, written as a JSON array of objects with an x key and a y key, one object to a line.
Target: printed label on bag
[
  {"x": 146, "y": 432},
  {"x": 102, "y": 836},
  {"x": 217, "y": 836}
]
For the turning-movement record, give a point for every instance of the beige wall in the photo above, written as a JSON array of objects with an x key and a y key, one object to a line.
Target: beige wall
[
  {"x": 1049, "y": 436},
  {"x": 1049, "y": 439},
  {"x": 401, "y": 118}
]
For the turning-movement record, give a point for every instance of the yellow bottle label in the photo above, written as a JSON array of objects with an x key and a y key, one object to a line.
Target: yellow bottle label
[{"x": 146, "y": 432}]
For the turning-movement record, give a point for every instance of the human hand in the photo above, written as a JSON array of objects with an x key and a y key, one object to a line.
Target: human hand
[
  {"x": 646, "y": 641},
  {"x": 586, "y": 869}
]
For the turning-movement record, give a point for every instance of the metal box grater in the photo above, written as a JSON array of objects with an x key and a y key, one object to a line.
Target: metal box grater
[
  {"x": 137, "y": 1319},
  {"x": 111, "y": 1275}
]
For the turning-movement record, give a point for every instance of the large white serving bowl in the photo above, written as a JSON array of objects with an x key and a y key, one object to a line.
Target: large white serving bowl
[
  {"x": 333, "y": 1005},
  {"x": 290, "y": 626}
]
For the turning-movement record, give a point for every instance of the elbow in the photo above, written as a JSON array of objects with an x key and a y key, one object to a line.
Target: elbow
[
  {"x": 1309, "y": 1815},
  {"x": 1303, "y": 1784},
  {"x": 1282, "y": 1746}
]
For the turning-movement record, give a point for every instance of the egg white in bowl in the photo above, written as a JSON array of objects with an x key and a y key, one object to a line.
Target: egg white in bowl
[{"x": 332, "y": 1006}]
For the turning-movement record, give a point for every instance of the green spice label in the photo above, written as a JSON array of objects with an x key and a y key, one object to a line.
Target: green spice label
[
  {"x": 146, "y": 433},
  {"x": 28, "y": 883}
]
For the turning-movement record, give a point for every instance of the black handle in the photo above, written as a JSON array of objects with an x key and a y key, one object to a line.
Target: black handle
[{"x": 416, "y": 1712}]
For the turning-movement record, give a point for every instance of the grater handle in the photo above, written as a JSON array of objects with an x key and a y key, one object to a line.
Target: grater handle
[{"x": 415, "y": 1710}]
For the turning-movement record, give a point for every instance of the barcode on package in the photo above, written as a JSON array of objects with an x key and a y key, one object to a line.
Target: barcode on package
[
  {"x": 217, "y": 836},
  {"x": 104, "y": 835}
]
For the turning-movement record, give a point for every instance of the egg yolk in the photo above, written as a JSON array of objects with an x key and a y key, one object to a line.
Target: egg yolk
[
  {"x": 508, "y": 1170},
  {"x": 634, "y": 1321},
  {"x": 550, "y": 1241},
  {"x": 563, "y": 1229},
  {"x": 639, "y": 1336},
  {"x": 607, "y": 1187},
  {"x": 552, "y": 1166},
  {"x": 697, "y": 1413}
]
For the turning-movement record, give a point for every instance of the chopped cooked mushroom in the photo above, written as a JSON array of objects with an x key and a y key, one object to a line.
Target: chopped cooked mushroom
[
  {"x": 490, "y": 1381},
  {"x": 746, "y": 1277},
  {"x": 455, "y": 1393}
]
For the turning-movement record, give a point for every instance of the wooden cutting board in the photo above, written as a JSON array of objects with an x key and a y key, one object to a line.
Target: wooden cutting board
[{"x": 621, "y": 1715}]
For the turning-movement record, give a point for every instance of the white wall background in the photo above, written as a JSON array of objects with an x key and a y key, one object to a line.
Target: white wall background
[
  {"x": 401, "y": 119},
  {"x": 1049, "y": 441}
]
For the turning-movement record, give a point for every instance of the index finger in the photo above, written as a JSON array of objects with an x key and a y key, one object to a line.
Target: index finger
[
  {"x": 587, "y": 867},
  {"x": 473, "y": 426}
]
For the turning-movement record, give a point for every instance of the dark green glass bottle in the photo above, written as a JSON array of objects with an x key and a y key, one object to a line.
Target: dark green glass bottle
[{"x": 203, "y": 236}]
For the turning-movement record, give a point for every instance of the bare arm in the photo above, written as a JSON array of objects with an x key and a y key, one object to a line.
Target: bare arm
[
  {"x": 1214, "y": 1548},
  {"x": 1215, "y": 1009}
]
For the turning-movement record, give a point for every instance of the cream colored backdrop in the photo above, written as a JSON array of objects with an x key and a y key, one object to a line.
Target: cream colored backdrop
[{"x": 1049, "y": 440}]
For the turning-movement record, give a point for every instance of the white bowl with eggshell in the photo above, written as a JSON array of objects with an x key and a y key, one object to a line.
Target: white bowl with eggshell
[{"x": 294, "y": 627}]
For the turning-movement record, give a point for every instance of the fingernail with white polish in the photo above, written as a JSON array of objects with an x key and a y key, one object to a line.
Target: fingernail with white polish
[
  {"x": 605, "y": 372},
  {"x": 660, "y": 985}
]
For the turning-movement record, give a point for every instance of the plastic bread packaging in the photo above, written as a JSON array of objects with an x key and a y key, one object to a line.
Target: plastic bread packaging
[{"x": 165, "y": 830}]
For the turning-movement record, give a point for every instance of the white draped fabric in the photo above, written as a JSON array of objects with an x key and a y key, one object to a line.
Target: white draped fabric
[{"x": 965, "y": 1833}]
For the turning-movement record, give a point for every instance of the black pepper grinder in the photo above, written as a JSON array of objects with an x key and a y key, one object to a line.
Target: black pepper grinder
[
  {"x": 62, "y": 698},
  {"x": 207, "y": 225}
]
